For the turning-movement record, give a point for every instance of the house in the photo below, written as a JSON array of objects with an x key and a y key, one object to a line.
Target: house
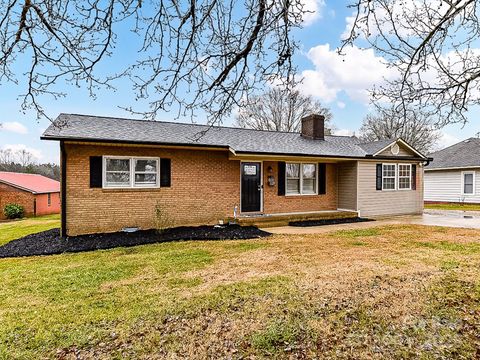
[
  {"x": 116, "y": 171},
  {"x": 453, "y": 175},
  {"x": 37, "y": 194}
]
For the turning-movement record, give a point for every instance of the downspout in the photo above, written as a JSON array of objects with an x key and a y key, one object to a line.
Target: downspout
[{"x": 63, "y": 170}]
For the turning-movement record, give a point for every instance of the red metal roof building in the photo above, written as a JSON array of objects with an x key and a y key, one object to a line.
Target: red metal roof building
[{"x": 38, "y": 194}]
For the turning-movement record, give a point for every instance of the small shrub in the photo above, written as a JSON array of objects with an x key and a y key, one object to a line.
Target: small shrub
[
  {"x": 162, "y": 220},
  {"x": 13, "y": 211}
]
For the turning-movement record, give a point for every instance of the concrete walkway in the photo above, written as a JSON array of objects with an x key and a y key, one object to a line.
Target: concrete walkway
[{"x": 447, "y": 218}]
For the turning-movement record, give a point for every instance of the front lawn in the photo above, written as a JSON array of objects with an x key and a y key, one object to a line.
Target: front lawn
[
  {"x": 385, "y": 292},
  {"x": 18, "y": 228},
  {"x": 454, "y": 206}
]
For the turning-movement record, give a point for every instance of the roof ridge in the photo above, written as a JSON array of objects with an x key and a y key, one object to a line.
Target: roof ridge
[
  {"x": 457, "y": 143},
  {"x": 23, "y": 173},
  {"x": 195, "y": 124}
]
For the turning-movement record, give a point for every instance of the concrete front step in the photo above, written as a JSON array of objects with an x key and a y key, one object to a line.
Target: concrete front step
[{"x": 284, "y": 219}]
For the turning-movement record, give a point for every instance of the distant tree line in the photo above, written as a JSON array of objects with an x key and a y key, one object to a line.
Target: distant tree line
[{"x": 23, "y": 161}]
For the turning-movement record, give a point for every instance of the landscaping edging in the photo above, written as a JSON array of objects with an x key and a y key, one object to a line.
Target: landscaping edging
[{"x": 49, "y": 242}]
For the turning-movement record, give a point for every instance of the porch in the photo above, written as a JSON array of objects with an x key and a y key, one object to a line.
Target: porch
[
  {"x": 283, "y": 219},
  {"x": 274, "y": 193}
]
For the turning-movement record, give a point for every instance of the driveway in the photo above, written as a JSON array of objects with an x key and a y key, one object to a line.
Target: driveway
[{"x": 447, "y": 218}]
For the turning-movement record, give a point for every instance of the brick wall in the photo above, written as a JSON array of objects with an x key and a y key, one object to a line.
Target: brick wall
[
  {"x": 205, "y": 188},
  {"x": 304, "y": 203},
  {"x": 42, "y": 204},
  {"x": 10, "y": 194}
]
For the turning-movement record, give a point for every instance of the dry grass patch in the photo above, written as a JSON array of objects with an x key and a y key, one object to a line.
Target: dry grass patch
[{"x": 385, "y": 292}]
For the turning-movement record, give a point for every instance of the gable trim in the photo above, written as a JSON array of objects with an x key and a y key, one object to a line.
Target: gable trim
[{"x": 402, "y": 142}]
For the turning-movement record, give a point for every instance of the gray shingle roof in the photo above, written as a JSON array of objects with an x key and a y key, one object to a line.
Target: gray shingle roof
[
  {"x": 463, "y": 154},
  {"x": 95, "y": 128},
  {"x": 375, "y": 146}
]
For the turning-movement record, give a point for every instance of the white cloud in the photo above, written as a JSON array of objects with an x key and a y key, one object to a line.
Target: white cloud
[
  {"x": 343, "y": 132},
  {"x": 353, "y": 73},
  {"x": 37, "y": 154},
  {"x": 425, "y": 11},
  {"x": 341, "y": 104},
  {"x": 313, "y": 11},
  {"x": 446, "y": 140},
  {"x": 14, "y": 126}
]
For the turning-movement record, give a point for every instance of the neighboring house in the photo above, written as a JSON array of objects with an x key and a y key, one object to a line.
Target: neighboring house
[
  {"x": 454, "y": 174},
  {"x": 37, "y": 194},
  {"x": 115, "y": 172}
]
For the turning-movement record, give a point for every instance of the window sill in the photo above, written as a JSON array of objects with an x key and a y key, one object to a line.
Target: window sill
[
  {"x": 301, "y": 195},
  {"x": 137, "y": 189}
]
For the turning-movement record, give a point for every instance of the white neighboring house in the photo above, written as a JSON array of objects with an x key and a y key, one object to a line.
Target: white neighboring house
[{"x": 454, "y": 174}]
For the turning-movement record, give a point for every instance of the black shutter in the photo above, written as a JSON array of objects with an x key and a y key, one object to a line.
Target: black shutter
[
  {"x": 165, "y": 172},
  {"x": 379, "y": 177},
  {"x": 95, "y": 171},
  {"x": 281, "y": 178},
  {"x": 414, "y": 177},
  {"x": 322, "y": 178}
]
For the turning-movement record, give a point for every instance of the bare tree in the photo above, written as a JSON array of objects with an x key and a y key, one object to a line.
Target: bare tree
[
  {"x": 24, "y": 157},
  {"x": 432, "y": 48},
  {"x": 417, "y": 129},
  {"x": 23, "y": 161},
  {"x": 191, "y": 55},
  {"x": 280, "y": 110},
  {"x": 6, "y": 156}
]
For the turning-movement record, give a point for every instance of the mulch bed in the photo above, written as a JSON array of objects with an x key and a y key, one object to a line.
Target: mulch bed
[
  {"x": 49, "y": 242},
  {"x": 322, "y": 222}
]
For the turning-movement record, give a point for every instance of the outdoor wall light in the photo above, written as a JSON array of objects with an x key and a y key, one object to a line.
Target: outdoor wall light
[{"x": 270, "y": 179}]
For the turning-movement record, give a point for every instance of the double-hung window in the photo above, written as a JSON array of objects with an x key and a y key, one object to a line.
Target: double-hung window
[
  {"x": 146, "y": 172},
  {"x": 404, "y": 176},
  {"x": 301, "y": 179},
  {"x": 468, "y": 183},
  {"x": 389, "y": 176},
  {"x": 130, "y": 172}
]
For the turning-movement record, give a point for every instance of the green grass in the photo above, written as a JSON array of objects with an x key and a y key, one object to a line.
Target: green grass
[
  {"x": 15, "y": 229},
  {"x": 412, "y": 293},
  {"x": 468, "y": 248},
  {"x": 454, "y": 206},
  {"x": 356, "y": 233}
]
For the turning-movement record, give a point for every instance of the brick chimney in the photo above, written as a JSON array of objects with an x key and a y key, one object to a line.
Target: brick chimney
[{"x": 313, "y": 127}]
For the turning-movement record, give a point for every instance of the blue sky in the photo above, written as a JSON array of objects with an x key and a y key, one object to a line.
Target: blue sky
[{"x": 340, "y": 85}]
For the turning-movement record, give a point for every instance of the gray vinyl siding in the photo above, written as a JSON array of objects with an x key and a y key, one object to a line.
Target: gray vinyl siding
[
  {"x": 347, "y": 185},
  {"x": 446, "y": 186},
  {"x": 372, "y": 202}
]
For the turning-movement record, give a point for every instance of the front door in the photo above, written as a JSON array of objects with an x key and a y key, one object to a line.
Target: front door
[{"x": 251, "y": 186}]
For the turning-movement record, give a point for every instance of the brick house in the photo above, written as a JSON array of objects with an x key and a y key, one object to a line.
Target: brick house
[
  {"x": 116, "y": 171},
  {"x": 37, "y": 194}
]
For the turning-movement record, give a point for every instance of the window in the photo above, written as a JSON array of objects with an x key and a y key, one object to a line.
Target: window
[
  {"x": 117, "y": 172},
  {"x": 146, "y": 172},
  {"x": 125, "y": 172},
  {"x": 404, "y": 176},
  {"x": 389, "y": 176},
  {"x": 468, "y": 183},
  {"x": 293, "y": 178},
  {"x": 301, "y": 179},
  {"x": 49, "y": 199}
]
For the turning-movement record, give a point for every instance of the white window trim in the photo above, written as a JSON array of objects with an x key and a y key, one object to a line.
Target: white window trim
[
  {"x": 395, "y": 177},
  {"x": 301, "y": 179},
  {"x": 131, "y": 184},
  {"x": 463, "y": 183},
  {"x": 404, "y": 177}
]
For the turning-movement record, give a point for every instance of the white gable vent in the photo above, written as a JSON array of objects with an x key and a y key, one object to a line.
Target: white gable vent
[{"x": 395, "y": 149}]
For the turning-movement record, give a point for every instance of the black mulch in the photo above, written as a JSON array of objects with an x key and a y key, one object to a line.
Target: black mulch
[
  {"x": 328, "y": 221},
  {"x": 49, "y": 242}
]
